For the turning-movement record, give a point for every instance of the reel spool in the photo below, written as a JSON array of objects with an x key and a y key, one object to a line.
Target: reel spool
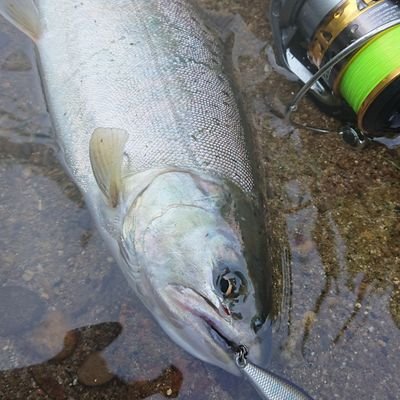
[{"x": 347, "y": 54}]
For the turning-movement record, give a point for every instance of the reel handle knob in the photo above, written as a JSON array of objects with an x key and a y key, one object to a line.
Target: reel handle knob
[{"x": 354, "y": 137}]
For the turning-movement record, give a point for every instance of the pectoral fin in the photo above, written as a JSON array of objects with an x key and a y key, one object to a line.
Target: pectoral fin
[
  {"x": 23, "y": 14},
  {"x": 106, "y": 150}
]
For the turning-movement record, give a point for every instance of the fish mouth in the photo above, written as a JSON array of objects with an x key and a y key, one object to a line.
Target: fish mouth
[
  {"x": 215, "y": 332},
  {"x": 218, "y": 336},
  {"x": 207, "y": 330},
  {"x": 212, "y": 321}
]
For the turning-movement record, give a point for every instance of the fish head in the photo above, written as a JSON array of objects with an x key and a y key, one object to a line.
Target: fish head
[{"x": 204, "y": 275}]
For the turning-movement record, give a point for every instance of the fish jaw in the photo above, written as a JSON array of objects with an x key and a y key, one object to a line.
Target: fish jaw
[
  {"x": 181, "y": 234},
  {"x": 197, "y": 331},
  {"x": 208, "y": 333}
]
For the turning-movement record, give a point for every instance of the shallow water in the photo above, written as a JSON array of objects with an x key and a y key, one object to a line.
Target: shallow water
[{"x": 71, "y": 327}]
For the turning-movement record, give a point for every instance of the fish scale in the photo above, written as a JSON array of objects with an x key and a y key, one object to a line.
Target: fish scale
[{"x": 158, "y": 74}]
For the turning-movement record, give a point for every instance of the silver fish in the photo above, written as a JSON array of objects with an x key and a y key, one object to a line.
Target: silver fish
[{"x": 149, "y": 129}]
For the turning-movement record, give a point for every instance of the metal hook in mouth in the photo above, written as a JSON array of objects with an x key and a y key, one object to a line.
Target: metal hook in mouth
[{"x": 241, "y": 356}]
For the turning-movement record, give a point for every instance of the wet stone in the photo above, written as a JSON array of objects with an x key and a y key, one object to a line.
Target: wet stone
[
  {"x": 53, "y": 339},
  {"x": 94, "y": 371},
  {"x": 71, "y": 340},
  {"x": 168, "y": 384},
  {"x": 20, "y": 310},
  {"x": 17, "y": 61},
  {"x": 49, "y": 384}
]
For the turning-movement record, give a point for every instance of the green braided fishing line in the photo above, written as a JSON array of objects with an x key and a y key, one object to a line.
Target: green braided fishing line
[{"x": 370, "y": 66}]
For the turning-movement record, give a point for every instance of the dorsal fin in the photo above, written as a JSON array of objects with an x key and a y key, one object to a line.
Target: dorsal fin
[
  {"x": 106, "y": 150},
  {"x": 23, "y": 14}
]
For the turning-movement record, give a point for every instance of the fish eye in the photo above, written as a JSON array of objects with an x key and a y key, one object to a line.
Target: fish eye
[
  {"x": 231, "y": 284},
  {"x": 226, "y": 286}
]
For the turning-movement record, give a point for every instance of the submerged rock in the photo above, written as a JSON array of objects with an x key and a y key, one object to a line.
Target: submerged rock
[
  {"x": 53, "y": 339},
  {"x": 17, "y": 61},
  {"x": 94, "y": 371},
  {"x": 20, "y": 310}
]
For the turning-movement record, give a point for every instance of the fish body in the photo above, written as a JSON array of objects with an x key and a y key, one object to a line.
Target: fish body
[
  {"x": 149, "y": 129},
  {"x": 151, "y": 68}
]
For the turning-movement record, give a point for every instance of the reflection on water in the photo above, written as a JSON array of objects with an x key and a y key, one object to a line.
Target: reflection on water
[{"x": 336, "y": 211}]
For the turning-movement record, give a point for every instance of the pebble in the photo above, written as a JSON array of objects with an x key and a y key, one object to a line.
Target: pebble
[
  {"x": 52, "y": 339},
  {"x": 168, "y": 384},
  {"x": 28, "y": 275},
  {"x": 309, "y": 318},
  {"x": 52, "y": 385},
  {"x": 17, "y": 61},
  {"x": 94, "y": 371}
]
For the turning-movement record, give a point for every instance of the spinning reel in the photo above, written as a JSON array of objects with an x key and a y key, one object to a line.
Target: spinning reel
[{"x": 347, "y": 55}]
